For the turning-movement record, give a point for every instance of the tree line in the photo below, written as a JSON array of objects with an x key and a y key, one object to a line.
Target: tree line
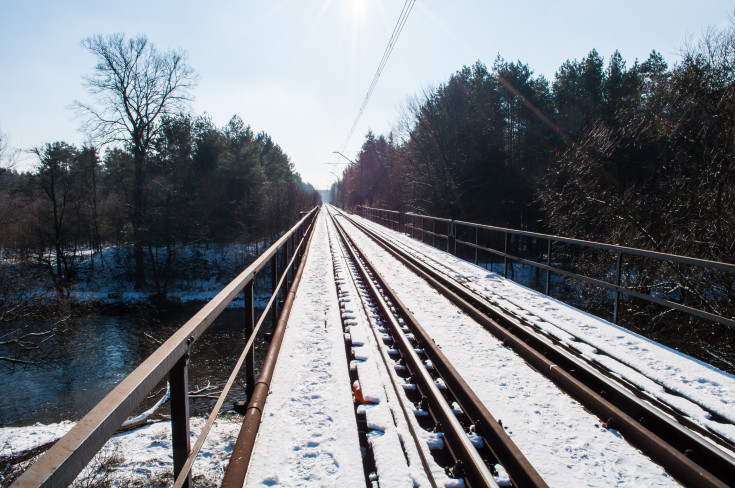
[
  {"x": 203, "y": 184},
  {"x": 158, "y": 176},
  {"x": 638, "y": 154}
]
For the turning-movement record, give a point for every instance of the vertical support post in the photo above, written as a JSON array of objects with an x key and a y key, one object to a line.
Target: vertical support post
[
  {"x": 180, "y": 440},
  {"x": 548, "y": 263},
  {"x": 477, "y": 243},
  {"x": 505, "y": 257},
  {"x": 453, "y": 233},
  {"x": 618, "y": 266},
  {"x": 433, "y": 233},
  {"x": 249, "y": 326},
  {"x": 274, "y": 287},
  {"x": 449, "y": 232},
  {"x": 288, "y": 260}
]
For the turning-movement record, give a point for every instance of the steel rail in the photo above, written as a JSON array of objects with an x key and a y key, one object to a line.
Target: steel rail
[
  {"x": 245, "y": 444},
  {"x": 686, "y": 456},
  {"x": 496, "y": 439},
  {"x": 60, "y": 465},
  {"x": 475, "y": 469},
  {"x": 386, "y": 364}
]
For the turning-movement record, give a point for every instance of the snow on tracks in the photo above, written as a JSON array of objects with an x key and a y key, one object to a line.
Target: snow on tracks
[{"x": 308, "y": 436}]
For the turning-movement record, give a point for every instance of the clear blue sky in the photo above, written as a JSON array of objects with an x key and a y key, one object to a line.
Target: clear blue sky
[{"x": 299, "y": 69}]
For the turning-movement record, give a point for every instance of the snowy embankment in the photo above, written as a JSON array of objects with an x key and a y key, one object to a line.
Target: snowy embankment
[
  {"x": 197, "y": 273},
  {"x": 141, "y": 457},
  {"x": 696, "y": 389},
  {"x": 566, "y": 445}
]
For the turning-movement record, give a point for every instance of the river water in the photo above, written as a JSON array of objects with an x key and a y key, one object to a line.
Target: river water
[{"x": 95, "y": 355}]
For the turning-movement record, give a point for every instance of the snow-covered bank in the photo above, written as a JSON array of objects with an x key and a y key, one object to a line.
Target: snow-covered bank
[
  {"x": 196, "y": 274},
  {"x": 141, "y": 457}
]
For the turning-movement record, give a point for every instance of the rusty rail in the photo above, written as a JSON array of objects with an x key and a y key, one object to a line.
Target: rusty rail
[
  {"x": 60, "y": 465},
  {"x": 476, "y": 473},
  {"x": 243, "y": 449}
]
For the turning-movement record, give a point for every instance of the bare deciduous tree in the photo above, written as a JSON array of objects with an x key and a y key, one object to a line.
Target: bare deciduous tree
[{"x": 134, "y": 86}]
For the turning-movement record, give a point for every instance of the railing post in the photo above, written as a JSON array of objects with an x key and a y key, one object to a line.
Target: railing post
[
  {"x": 618, "y": 266},
  {"x": 433, "y": 233},
  {"x": 285, "y": 263},
  {"x": 505, "y": 257},
  {"x": 249, "y": 326},
  {"x": 449, "y": 231},
  {"x": 548, "y": 263},
  {"x": 453, "y": 233},
  {"x": 180, "y": 440},
  {"x": 476, "y": 244},
  {"x": 274, "y": 287}
]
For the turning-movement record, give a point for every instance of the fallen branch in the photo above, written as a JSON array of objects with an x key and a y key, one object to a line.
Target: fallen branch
[{"x": 143, "y": 417}]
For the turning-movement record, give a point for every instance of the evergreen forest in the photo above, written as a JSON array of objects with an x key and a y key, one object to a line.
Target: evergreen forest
[{"x": 639, "y": 154}]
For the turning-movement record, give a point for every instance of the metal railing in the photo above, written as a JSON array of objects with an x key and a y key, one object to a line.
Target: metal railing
[
  {"x": 447, "y": 234},
  {"x": 61, "y": 464}
]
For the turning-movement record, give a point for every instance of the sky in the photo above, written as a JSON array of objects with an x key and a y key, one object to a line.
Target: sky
[{"x": 299, "y": 69}]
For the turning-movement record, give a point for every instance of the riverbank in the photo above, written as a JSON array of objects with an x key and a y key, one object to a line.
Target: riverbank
[
  {"x": 188, "y": 274},
  {"x": 140, "y": 457}
]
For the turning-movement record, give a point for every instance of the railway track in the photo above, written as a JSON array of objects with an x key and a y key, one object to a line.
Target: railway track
[
  {"x": 686, "y": 452},
  {"x": 578, "y": 344},
  {"x": 431, "y": 394}
]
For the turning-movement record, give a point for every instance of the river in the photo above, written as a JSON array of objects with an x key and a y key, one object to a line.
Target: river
[{"x": 96, "y": 354}]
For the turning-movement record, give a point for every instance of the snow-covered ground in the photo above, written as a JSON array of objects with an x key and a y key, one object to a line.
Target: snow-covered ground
[
  {"x": 198, "y": 273},
  {"x": 141, "y": 457},
  {"x": 693, "y": 387}
]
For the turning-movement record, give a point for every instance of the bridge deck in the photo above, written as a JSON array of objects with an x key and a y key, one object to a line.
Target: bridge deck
[{"x": 308, "y": 434}]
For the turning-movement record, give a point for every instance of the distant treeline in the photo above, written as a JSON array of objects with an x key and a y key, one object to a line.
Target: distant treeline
[
  {"x": 640, "y": 154},
  {"x": 202, "y": 184}
]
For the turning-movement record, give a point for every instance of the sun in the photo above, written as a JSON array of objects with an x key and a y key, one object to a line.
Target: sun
[{"x": 359, "y": 8}]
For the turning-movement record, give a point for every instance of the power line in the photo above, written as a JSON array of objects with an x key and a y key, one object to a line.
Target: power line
[{"x": 407, "y": 7}]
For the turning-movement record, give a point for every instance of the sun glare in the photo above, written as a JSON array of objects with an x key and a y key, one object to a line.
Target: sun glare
[{"x": 359, "y": 8}]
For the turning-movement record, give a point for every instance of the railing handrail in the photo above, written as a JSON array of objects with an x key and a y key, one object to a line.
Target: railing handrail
[
  {"x": 438, "y": 219},
  {"x": 610, "y": 247},
  {"x": 68, "y": 456},
  {"x": 730, "y": 267},
  {"x": 452, "y": 236}
]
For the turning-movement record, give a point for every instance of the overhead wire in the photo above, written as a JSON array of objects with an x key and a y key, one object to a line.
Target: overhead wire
[{"x": 407, "y": 7}]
